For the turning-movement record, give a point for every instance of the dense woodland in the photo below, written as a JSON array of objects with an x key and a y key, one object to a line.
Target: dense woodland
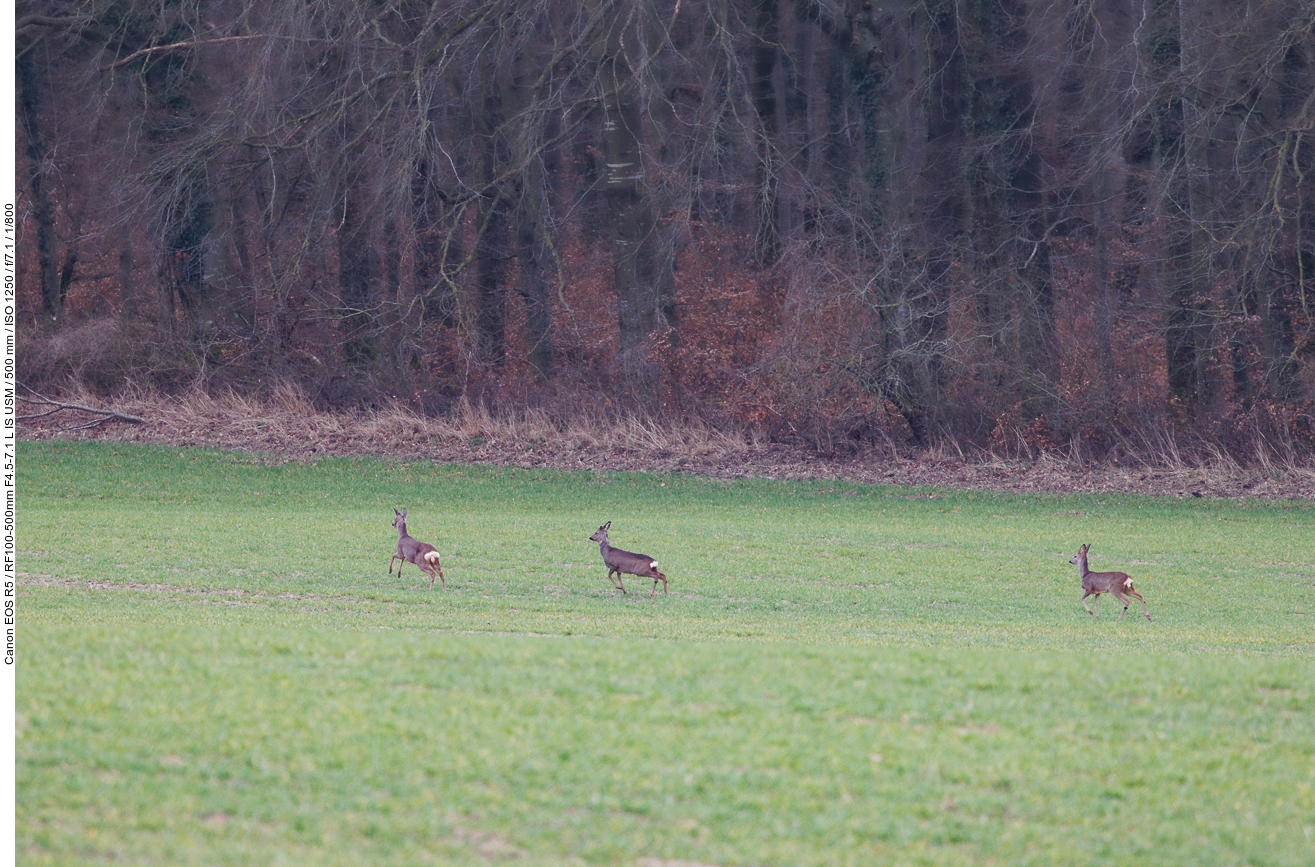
[{"x": 1020, "y": 225}]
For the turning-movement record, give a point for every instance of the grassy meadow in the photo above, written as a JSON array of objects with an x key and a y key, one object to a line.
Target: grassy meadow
[{"x": 215, "y": 667}]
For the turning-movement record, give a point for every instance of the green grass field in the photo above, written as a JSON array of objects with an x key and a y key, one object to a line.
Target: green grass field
[{"x": 215, "y": 667}]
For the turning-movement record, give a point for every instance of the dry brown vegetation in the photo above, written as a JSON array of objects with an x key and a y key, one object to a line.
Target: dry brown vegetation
[
  {"x": 288, "y": 427},
  {"x": 1028, "y": 228}
]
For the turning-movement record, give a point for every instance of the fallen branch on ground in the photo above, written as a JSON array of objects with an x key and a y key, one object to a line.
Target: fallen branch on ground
[{"x": 60, "y": 406}]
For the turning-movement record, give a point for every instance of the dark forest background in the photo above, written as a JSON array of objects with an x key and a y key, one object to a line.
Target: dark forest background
[{"x": 1024, "y": 226}]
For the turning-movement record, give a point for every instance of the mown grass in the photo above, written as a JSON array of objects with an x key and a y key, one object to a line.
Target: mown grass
[{"x": 215, "y": 667}]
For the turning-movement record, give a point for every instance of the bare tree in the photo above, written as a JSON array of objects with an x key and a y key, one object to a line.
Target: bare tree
[{"x": 1010, "y": 223}]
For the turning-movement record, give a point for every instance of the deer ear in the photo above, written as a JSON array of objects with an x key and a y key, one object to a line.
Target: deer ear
[
  {"x": 397, "y": 513},
  {"x": 605, "y": 526}
]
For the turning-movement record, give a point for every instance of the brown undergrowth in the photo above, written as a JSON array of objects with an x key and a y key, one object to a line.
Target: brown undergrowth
[{"x": 287, "y": 427}]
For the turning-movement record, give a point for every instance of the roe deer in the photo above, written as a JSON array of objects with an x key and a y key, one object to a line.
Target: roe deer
[
  {"x": 619, "y": 561},
  {"x": 1096, "y": 583},
  {"x": 425, "y": 556}
]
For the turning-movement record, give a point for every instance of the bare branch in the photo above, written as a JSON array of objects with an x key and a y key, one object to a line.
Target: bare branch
[
  {"x": 197, "y": 43},
  {"x": 59, "y": 406},
  {"x": 32, "y": 21}
]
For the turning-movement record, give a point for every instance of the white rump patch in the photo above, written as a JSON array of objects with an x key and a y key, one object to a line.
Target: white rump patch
[
  {"x": 652, "y": 565},
  {"x": 432, "y": 557}
]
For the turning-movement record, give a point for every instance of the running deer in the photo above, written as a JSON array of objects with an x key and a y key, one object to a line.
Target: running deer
[
  {"x": 423, "y": 555},
  {"x": 619, "y": 561},
  {"x": 1096, "y": 583}
]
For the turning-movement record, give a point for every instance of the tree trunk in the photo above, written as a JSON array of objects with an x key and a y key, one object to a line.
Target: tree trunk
[
  {"x": 491, "y": 238},
  {"x": 437, "y": 243},
  {"x": 188, "y": 222},
  {"x": 358, "y": 284},
  {"x": 1190, "y": 308},
  {"x": 536, "y": 161},
  {"x": 535, "y": 279},
  {"x": 641, "y": 266},
  {"x": 42, "y": 209},
  {"x": 767, "y": 39}
]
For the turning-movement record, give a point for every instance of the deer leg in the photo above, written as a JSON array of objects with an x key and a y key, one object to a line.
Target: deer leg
[
  {"x": 1124, "y": 599},
  {"x": 617, "y": 582},
  {"x": 390, "y": 564},
  {"x": 1084, "y": 603},
  {"x": 1144, "y": 609}
]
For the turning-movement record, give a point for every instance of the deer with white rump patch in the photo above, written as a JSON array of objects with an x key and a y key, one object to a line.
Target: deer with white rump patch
[
  {"x": 1096, "y": 583},
  {"x": 619, "y": 562},
  {"x": 423, "y": 555}
]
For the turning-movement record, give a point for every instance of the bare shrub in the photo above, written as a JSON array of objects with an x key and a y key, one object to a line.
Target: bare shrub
[{"x": 102, "y": 357}]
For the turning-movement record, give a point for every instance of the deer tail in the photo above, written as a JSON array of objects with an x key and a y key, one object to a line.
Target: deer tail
[{"x": 431, "y": 556}]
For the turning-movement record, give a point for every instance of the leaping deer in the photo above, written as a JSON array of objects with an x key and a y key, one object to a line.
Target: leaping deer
[
  {"x": 1096, "y": 583},
  {"x": 619, "y": 561},
  {"x": 423, "y": 555}
]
